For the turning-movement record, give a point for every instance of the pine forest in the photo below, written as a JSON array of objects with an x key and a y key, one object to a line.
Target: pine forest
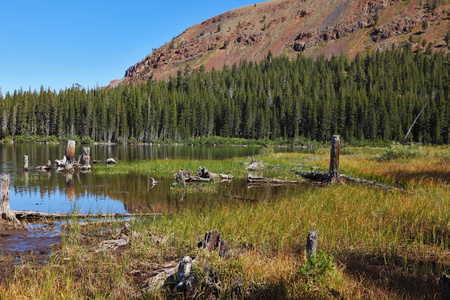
[{"x": 374, "y": 97}]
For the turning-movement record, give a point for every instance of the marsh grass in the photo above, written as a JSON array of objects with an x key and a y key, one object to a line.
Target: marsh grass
[{"x": 372, "y": 243}]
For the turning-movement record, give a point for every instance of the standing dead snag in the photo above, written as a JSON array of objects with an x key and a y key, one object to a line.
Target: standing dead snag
[
  {"x": 333, "y": 173},
  {"x": 334, "y": 158},
  {"x": 5, "y": 210},
  {"x": 25, "y": 163}
]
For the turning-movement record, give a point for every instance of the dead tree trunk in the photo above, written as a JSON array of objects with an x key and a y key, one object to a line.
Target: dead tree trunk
[
  {"x": 25, "y": 163},
  {"x": 70, "y": 153},
  {"x": 334, "y": 158},
  {"x": 333, "y": 173},
  {"x": 86, "y": 159},
  {"x": 5, "y": 210}
]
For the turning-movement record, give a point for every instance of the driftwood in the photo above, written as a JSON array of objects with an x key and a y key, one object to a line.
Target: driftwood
[
  {"x": 119, "y": 241},
  {"x": 226, "y": 176},
  {"x": 203, "y": 175},
  {"x": 255, "y": 165},
  {"x": 47, "y": 167},
  {"x": 33, "y": 215},
  {"x": 263, "y": 181}
]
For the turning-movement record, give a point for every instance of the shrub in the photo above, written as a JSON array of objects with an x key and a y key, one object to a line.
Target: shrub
[
  {"x": 86, "y": 140},
  {"x": 396, "y": 150}
]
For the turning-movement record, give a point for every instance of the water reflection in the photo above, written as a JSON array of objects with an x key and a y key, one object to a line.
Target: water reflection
[{"x": 53, "y": 191}]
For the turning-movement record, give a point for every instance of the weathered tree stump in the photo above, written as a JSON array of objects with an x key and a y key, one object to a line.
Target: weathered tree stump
[
  {"x": 213, "y": 241},
  {"x": 70, "y": 153},
  {"x": 311, "y": 243},
  {"x": 255, "y": 165},
  {"x": 25, "y": 163},
  {"x": 5, "y": 210},
  {"x": 85, "y": 159},
  {"x": 334, "y": 158}
]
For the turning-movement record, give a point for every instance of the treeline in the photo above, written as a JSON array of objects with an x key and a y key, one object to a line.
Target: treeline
[{"x": 374, "y": 97}]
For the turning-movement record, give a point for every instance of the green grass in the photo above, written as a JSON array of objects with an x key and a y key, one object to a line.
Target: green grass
[{"x": 373, "y": 244}]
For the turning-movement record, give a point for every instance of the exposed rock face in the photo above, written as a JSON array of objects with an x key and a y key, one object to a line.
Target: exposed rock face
[{"x": 286, "y": 27}]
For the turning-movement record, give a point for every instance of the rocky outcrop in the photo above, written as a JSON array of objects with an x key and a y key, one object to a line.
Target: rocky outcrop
[{"x": 286, "y": 27}]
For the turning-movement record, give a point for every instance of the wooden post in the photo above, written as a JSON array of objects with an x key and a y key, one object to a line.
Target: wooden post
[
  {"x": 25, "y": 163},
  {"x": 70, "y": 153},
  {"x": 334, "y": 157},
  {"x": 5, "y": 210}
]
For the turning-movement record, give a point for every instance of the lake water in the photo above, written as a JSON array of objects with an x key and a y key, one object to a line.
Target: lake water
[{"x": 87, "y": 193}]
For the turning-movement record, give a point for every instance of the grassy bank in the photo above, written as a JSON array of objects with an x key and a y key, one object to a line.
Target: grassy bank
[{"x": 372, "y": 243}]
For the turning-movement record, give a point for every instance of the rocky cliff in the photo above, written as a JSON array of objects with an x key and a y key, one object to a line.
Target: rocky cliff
[{"x": 289, "y": 27}]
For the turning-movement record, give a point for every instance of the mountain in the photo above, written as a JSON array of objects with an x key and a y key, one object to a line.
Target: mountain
[{"x": 289, "y": 27}]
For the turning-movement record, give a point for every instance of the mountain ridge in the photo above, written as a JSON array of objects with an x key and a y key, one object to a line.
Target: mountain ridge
[{"x": 289, "y": 27}]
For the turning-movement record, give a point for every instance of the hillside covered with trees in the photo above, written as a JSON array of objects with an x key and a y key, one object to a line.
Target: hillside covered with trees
[{"x": 373, "y": 97}]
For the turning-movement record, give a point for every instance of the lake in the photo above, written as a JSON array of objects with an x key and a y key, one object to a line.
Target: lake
[{"x": 88, "y": 193}]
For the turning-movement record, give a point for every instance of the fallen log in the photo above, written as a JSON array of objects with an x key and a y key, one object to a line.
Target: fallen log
[
  {"x": 33, "y": 215},
  {"x": 47, "y": 167},
  {"x": 318, "y": 176},
  {"x": 372, "y": 183},
  {"x": 119, "y": 241},
  {"x": 239, "y": 198},
  {"x": 264, "y": 180},
  {"x": 225, "y": 176}
]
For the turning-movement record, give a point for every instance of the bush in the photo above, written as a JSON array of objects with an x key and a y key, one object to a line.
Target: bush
[
  {"x": 86, "y": 140},
  {"x": 396, "y": 150}
]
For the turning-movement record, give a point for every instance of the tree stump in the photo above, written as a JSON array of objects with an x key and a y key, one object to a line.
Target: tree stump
[
  {"x": 334, "y": 158},
  {"x": 25, "y": 163},
  {"x": 70, "y": 153},
  {"x": 311, "y": 243},
  {"x": 85, "y": 158},
  {"x": 5, "y": 210},
  {"x": 213, "y": 241}
]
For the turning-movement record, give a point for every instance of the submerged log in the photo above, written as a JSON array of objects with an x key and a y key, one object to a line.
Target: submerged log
[
  {"x": 25, "y": 163},
  {"x": 36, "y": 215},
  {"x": 264, "y": 180},
  {"x": 47, "y": 167},
  {"x": 5, "y": 211}
]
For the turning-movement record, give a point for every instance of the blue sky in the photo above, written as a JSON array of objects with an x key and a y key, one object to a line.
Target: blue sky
[{"x": 58, "y": 43}]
